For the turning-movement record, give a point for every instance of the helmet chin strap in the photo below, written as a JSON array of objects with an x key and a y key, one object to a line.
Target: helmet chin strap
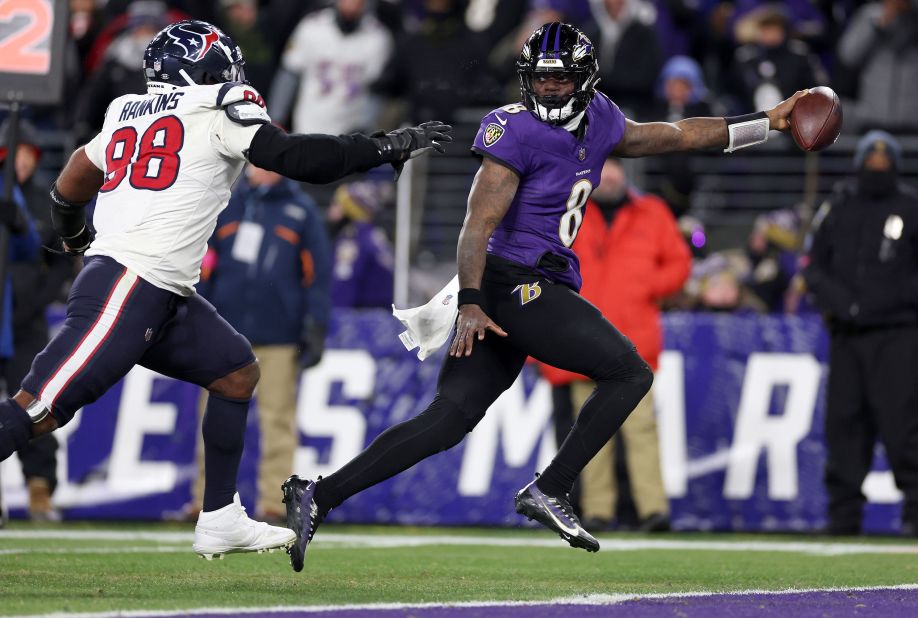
[
  {"x": 187, "y": 77},
  {"x": 574, "y": 122}
]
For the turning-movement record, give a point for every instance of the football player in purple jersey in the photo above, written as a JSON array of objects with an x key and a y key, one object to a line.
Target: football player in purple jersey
[{"x": 519, "y": 279}]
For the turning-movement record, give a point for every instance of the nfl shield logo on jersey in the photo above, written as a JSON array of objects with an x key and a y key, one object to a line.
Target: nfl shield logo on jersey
[
  {"x": 581, "y": 154},
  {"x": 493, "y": 132}
]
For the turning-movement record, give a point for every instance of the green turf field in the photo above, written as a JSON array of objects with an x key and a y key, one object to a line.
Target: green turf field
[{"x": 115, "y": 567}]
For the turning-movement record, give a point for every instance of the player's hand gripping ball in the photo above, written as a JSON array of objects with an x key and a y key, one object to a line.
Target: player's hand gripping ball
[{"x": 816, "y": 119}]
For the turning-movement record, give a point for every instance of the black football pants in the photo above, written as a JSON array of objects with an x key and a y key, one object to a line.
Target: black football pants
[
  {"x": 547, "y": 321},
  {"x": 872, "y": 393}
]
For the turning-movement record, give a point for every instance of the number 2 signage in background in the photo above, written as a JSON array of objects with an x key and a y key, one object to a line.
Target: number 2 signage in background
[{"x": 32, "y": 40}]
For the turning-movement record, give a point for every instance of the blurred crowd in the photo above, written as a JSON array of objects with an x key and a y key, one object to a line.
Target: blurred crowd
[
  {"x": 342, "y": 65},
  {"x": 339, "y": 66}
]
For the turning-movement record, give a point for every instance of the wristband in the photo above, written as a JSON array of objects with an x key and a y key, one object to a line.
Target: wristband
[
  {"x": 746, "y": 130},
  {"x": 37, "y": 411},
  {"x": 470, "y": 296}
]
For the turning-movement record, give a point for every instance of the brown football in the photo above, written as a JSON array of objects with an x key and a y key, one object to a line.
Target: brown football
[{"x": 816, "y": 119}]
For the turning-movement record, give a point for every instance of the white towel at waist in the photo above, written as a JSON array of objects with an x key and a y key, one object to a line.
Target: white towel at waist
[{"x": 429, "y": 325}]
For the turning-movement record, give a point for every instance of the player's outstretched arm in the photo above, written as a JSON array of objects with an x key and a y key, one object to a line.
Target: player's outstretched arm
[
  {"x": 650, "y": 138},
  {"x": 77, "y": 184},
  {"x": 492, "y": 193},
  {"x": 320, "y": 158}
]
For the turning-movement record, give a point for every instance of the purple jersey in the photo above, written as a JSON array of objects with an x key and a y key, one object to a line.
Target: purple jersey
[{"x": 557, "y": 174}]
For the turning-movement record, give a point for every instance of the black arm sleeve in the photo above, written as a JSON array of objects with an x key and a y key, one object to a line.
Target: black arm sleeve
[
  {"x": 67, "y": 218},
  {"x": 312, "y": 158}
]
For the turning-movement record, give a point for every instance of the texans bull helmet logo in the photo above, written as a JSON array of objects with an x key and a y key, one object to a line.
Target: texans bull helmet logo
[
  {"x": 193, "y": 52},
  {"x": 196, "y": 40}
]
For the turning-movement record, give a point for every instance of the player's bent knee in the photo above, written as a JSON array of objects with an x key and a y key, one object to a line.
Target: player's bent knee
[
  {"x": 645, "y": 379},
  {"x": 453, "y": 421},
  {"x": 239, "y": 384},
  {"x": 629, "y": 368}
]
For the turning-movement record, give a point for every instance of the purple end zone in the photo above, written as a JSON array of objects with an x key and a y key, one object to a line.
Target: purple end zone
[{"x": 889, "y": 603}]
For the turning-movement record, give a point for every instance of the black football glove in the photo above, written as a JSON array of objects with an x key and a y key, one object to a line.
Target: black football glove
[
  {"x": 11, "y": 217},
  {"x": 398, "y": 146},
  {"x": 312, "y": 345}
]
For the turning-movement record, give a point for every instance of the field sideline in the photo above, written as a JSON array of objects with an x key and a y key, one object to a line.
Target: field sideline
[{"x": 92, "y": 568}]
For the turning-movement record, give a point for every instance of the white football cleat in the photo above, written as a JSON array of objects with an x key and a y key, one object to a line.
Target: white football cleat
[{"x": 229, "y": 530}]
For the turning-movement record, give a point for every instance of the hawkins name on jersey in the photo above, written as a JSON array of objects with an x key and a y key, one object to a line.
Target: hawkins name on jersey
[{"x": 170, "y": 160}]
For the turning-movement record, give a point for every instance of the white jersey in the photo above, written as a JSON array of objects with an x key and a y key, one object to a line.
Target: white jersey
[
  {"x": 170, "y": 162},
  {"x": 335, "y": 70}
]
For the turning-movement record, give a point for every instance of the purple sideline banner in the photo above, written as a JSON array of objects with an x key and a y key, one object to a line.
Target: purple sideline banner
[{"x": 740, "y": 401}]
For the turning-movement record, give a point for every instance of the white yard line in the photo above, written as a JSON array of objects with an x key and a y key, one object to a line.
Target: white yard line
[
  {"x": 385, "y": 540},
  {"x": 145, "y": 549},
  {"x": 592, "y": 599}
]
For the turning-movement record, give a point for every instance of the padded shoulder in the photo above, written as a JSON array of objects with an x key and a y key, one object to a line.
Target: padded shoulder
[
  {"x": 237, "y": 92},
  {"x": 242, "y": 104}
]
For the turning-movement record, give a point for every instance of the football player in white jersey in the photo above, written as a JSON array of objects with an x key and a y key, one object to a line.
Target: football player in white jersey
[{"x": 162, "y": 167}]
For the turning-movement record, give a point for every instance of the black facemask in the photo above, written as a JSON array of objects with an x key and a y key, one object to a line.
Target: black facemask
[
  {"x": 347, "y": 26},
  {"x": 876, "y": 183},
  {"x": 610, "y": 207}
]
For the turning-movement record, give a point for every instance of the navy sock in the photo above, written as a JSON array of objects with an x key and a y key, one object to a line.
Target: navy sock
[
  {"x": 224, "y": 439},
  {"x": 15, "y": 428}
]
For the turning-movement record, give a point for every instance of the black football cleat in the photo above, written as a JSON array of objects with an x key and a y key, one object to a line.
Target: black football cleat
[
  {"x": 302, "y": 516},
  {"x": 555, "y": 513}
]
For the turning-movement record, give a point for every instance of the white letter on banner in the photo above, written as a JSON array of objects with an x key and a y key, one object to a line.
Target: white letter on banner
[
  {"x": 346, "y": 425},
  {"x": 521, "y": 423},
  {"x": 756, "y": 430},
  {"x": 138, "y": 416},
  {"x": 669, "y": 404}
]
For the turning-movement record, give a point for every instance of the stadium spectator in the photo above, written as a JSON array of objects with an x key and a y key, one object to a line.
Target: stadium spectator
[
  {"x": 881, "y": 42},
  {"x": 331, "y": 60},
  {"x": 717, "y": 283},
  {"x": 772, "y": 66},
  {"x": 629, "y": 46},
  {"x": 530, "y": 16},
  {"x": 772, "y": 250},
  {"x": 807, "y": 21},
  {"x": 85, "y": 26},
  {"x": 249, "y": 26},
  {"x": 117, "y": 17},
  {"x": 267, "y": 272},
  {"x": 439, "y": 64},
  {"x": 541, "y": 158},
  {"x": 861, "y": 272},
  {"x": 364, "y": 263},
  {"x": 119, "y": 73},
  {"x": 37, "y": 281},
  {"x": 680, "y": 93},
  {"x": 632, "y": 256}
]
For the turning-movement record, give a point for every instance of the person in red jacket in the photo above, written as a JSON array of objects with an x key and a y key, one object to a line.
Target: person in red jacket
[{"x": 632, "y": 255}]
